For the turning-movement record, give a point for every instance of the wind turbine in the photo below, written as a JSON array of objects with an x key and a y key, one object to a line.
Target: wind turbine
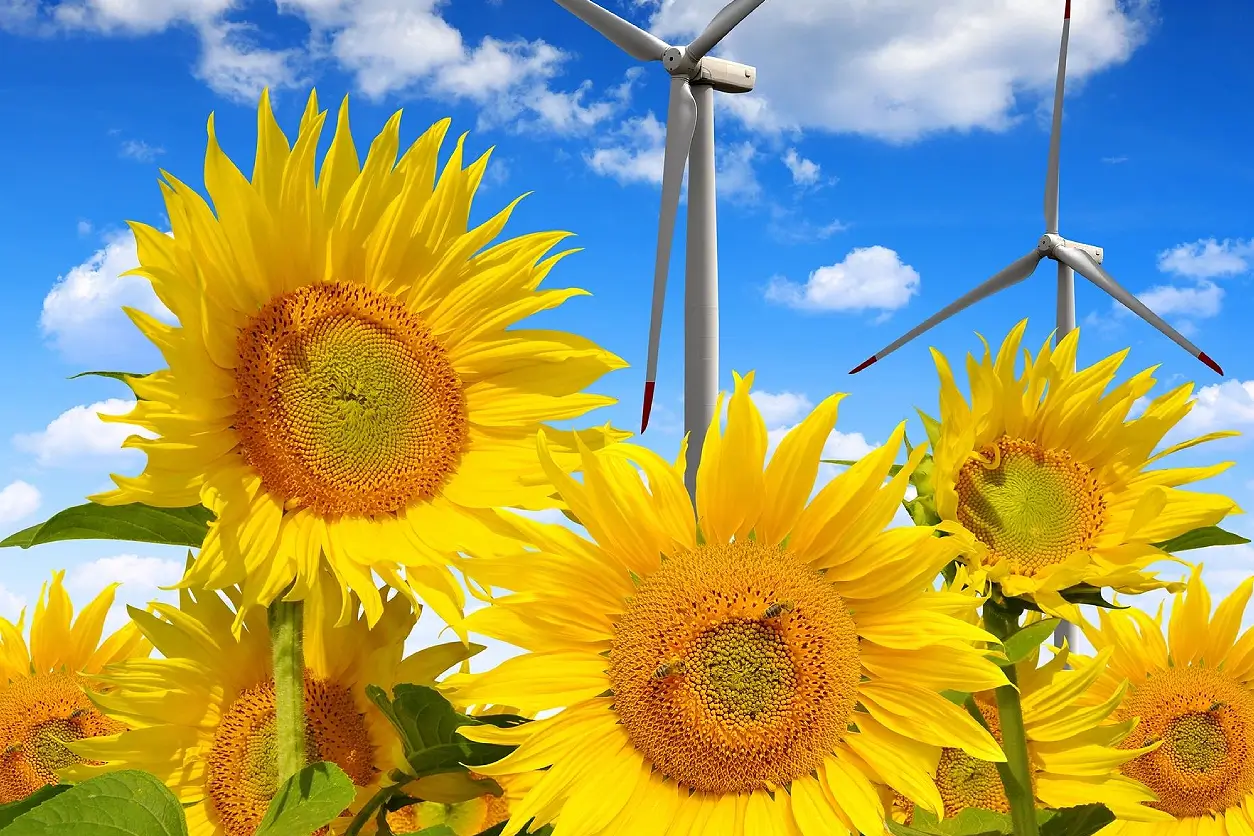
[
  {"x": 1072, "y": 256},
  {"x": 689, "y": 144}
]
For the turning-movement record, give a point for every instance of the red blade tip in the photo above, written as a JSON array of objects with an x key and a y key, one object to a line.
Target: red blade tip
[
  {"x": 648, "y": 404},
  {"x": 1066, "y": 13},
  {"x": 868, "y": 361},
  {"x": 1209, "y": 362}
]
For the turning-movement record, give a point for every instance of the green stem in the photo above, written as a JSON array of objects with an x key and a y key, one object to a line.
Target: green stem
[
  {"x": 287, "y": 652},
  {"x": 1001, "y": 617},
  {"x": 369, "y": 809}
]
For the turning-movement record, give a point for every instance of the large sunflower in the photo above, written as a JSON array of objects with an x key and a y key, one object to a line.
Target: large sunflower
[
  {"x": 756, "y": 667},
  {"x": 202, "y": 718},
  {"x": 344, "y": 379},
  {"x": 1052, "y": 478},
  {"x": 1194, "y": 696},
  {"x": 43, "y": 699}
]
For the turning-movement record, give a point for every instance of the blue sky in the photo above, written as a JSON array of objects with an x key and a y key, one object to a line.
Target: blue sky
[{"x": 891, "y": 158}]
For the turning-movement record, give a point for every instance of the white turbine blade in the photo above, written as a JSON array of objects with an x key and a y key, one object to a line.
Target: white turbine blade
[
  {"x": 723, "y": 22},
  {"x": 1055, "y": 132},
  {"x": 628, "y": 37},
  {"x": 681, "y": 122},
  {"x": 1014, "y": 273},
  {"x": 1080, "y": 262}
]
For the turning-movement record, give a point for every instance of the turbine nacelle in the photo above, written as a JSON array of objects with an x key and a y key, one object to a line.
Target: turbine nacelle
[
  {"x": 1052, "y": 241},
  {"x": 723, "y": 75}
]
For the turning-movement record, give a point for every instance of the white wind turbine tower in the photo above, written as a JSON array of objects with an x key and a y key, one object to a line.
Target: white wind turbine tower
[
  {"x": 689, "y": 143},
  {"x": 1084, "y": 259}
]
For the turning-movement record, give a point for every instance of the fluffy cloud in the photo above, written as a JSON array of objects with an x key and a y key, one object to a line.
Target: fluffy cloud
[
  {"x": 781, "y": 408},
  {"x": 869, "y": 278},
  {"x": 900, "y": 69},
  {"x": 128, "y": 569},
  {"x": 804, "y": 172},
  {"x": 18, "y": 500},
  {"x": 82, "y": 313},
  {"x": 1221, "y": 406},
  {"x": 140, "y": 151},
  {"x": 1208, "y": 258},
  {"x": 79, "y": 432},
  {"x": 633, "y": 153},
  {"x": 1201, "y": 301}
]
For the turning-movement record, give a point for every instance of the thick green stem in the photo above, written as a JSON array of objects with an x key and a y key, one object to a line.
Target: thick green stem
[
  {"x": 1002, "y": 619},
  {"x": 288, "y": 655}
]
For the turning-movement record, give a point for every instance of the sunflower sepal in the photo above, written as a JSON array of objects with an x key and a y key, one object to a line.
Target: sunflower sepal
[
  {"x": 1083, "y": 593},
  {"x": 1022, "y": 643},
  {"x": 308, "y": 800}
]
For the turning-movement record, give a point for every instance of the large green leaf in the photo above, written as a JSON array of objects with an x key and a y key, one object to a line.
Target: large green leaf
[
  {"x": 10, "y": 811},
  {"x": 135, "y": 523},
  {"x": 970, "y": 822},
  {"x": 1200, "y": 538},
  {"x": 125, "y": 803},
  {"x": 1084, "y": 820},
  {"x": 311, "y": 798},
  {"x": 1021, "y": 643}
]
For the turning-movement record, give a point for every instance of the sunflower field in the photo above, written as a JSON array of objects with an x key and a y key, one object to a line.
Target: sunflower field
[{"x": 351, "y": 410}]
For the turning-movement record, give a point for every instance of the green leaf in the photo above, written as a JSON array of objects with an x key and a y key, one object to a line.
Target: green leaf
[
  {"x": 311, "y": 798},
  {"x": 1083, "y": 593},
  {"x": 438, "y": 830},
  {"x": 452, "y": 787},
  {"x": 1084, "y": 820},
  {"x": 125, "y": 803},
  {"x": 125, "y": 377},
  {"x": 135, "y": 523},
  {"x": 1200, "y": 538},
  {"x": 1023, "y": 642},
  {"x": 970, "y": 822},
  {"x": 10, "y": 811},
  {"x": 427, "y": 724}
]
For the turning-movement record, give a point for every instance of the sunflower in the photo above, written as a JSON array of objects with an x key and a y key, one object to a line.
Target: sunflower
[
  {"x": 43, "y": 701},
  {"x": 202, "y": 718},
  {"x": 344, "y": 378},
  {"x": 1194, "y": 696},
  {"x": 1052, "y": 479},
  {"x": 755, "y": 667}
]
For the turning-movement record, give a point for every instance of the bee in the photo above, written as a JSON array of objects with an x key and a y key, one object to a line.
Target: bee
[
  {"x": 668, "y": 668},
  {"x": 776, "y": 610}
]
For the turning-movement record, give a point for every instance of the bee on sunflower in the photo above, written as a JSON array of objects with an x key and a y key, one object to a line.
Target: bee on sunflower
[{"x": 757, "y": 664}]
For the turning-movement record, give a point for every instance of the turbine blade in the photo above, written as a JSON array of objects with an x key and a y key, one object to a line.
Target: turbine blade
[
  {"x": 1014, "y": 273},
  {"x": 1080, "y": 262},
  {"x": 723, "y": 22},
  {"x": 1055, "y": 132},
  {"x": 681, "y": 122},
  {"x": 628, "y": 37}
]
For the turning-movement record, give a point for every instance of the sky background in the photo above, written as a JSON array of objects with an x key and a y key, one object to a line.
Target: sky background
[{"x": 891, "y": 157}]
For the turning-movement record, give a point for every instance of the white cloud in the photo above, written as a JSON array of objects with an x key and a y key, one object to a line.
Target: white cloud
[
  {"x": 869, "y": 278},
  {"x": 84, "y": 227},
  {"x": 788, "y": 226},
  {"x": 82, "y": 312},
  {"x": 1208, "y": 258},
  {"x": 1202, "y": 300},
  {"x": 18, "y": 500},
  {"x": 1221, "y": 406},
  {"x": 140, "y": 151},
  {"x": 234, "y": 66},
  {"x": 633, "y": 153},
  {"x": 780, "y": 408},
  {"x": 734, "y": 172},
  {"x": 804, "y": 172},
  {"x": 79, "y": 432},
  {"x": 131, "y": 570},
  {"x": 898, "y": 69}
]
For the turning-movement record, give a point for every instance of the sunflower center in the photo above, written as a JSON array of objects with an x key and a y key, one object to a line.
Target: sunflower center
[
  {"x": 1205, "y": 722},
  {"x": 735, "y": 667},
  {"x": 346, "y": 403},
  {"x": 243, "y": 767},
  {"x": 965, "y": 782},
  {"x": 38, "y": 715},
  {"x": 1033, "y": 507}
]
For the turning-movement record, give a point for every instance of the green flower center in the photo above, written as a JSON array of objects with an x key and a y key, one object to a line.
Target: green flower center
[
  {"x": 744, "y": 670},
  {"x": 1195, "y": 743},
  {"x": 1032, "y": 507},
  {"x": 346, "y": 403}
]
